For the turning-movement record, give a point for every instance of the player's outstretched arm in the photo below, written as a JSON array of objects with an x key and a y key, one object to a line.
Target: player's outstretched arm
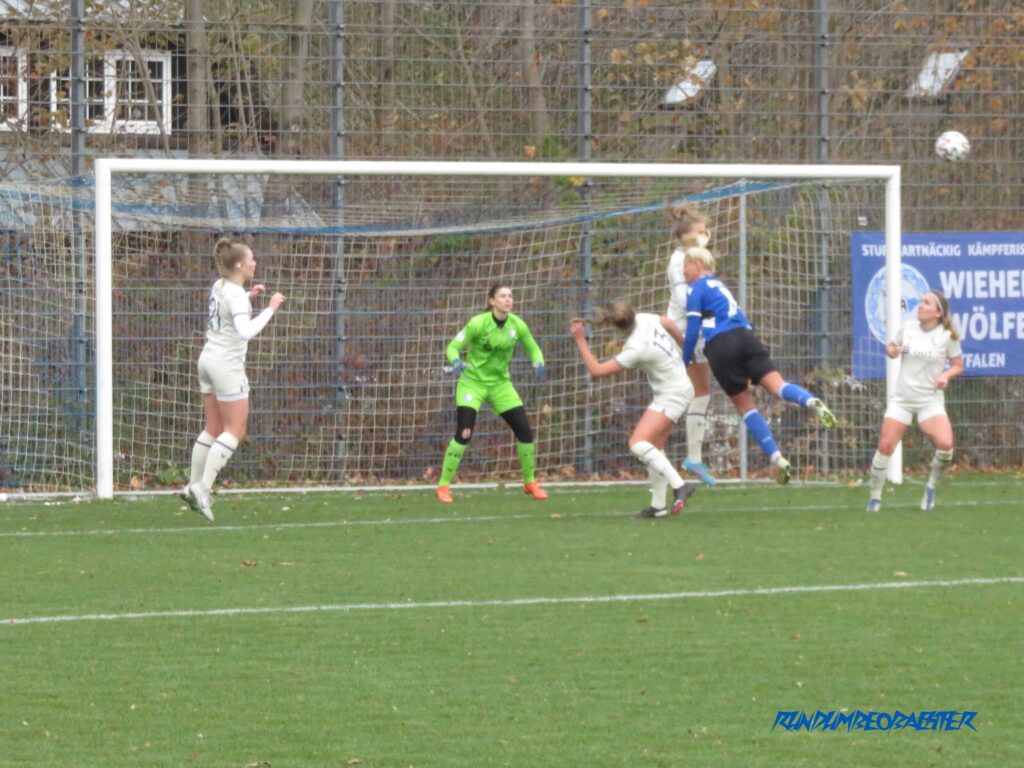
[{"x": 594, "y": 367}]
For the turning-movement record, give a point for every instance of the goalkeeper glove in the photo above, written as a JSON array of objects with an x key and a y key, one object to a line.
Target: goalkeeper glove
[
  {"x": 457, "y": 366},
  {"x": 540, "y": 371}
]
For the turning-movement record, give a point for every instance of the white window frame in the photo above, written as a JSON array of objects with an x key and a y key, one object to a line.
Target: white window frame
[
  {"x": 108, "y": 123},
  {"x": 11, "y": 124},
  {"x": 95, "y": 126}
]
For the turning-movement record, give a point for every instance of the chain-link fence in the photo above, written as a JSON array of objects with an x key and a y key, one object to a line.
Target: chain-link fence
[
  {"x": 638, "y": 80},
  {"x": 632, "y": 80}
]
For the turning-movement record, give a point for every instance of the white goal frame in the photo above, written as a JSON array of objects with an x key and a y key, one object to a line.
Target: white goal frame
[{"x": 107, "y": 168}]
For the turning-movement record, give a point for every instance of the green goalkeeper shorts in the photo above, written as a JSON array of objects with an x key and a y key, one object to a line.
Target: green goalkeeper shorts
[{"x": 502, "y": 397}]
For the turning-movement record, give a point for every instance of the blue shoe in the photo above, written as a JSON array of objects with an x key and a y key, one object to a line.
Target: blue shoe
[
  {"x": 928, "y": 500},
  {"x": 700, "y": 470},
  {"x": 874, "y": 505}
]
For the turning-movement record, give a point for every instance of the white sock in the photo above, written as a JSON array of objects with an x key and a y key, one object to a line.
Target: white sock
[
  {"x": 696, "y": 416},
  {"x": 876, "y": 483},
  {"x": 656, "y": 460},
  {"x": 219, "y": 455},
  {"x": 940, "y": 461},
  {"x": 200, "y": 449},
  {"x": 659, "y": 486}
]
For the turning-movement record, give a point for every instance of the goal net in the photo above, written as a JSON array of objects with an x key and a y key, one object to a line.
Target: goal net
[{"x": 382, "y": 265}]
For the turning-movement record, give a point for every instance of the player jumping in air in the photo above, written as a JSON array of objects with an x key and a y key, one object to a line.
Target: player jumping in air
[
  {"x": 653, "y": 347},
  {"x": 690, "y": 228},
  {"x": 923, "y": 346},
  {"x": 489, "y": 340},
  {"x": 222, "y": 380},
  {"x": 737, "y": 356}
]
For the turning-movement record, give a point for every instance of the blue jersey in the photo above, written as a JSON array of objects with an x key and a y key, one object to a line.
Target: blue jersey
[{"x": 711, "y": 308}]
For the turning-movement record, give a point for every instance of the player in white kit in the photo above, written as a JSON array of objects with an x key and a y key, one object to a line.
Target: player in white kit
[
  {"x": 690, "y": 228},
  {"x": 653, "y": 347},
  {"x": 222, "y": 380},
  {"x": 923, "y": 346}
]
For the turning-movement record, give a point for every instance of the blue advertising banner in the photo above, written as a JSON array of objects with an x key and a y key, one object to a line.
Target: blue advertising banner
[{"x": 982, "y": 275}]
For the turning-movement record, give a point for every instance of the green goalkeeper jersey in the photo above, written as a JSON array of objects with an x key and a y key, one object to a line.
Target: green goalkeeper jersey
[{"x": 490, "y": 347}]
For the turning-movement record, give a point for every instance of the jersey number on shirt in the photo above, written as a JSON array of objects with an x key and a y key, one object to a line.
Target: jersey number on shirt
[
  {"x": 733, "y": 304},
  {"x": 213, "y": 323},
  {"x": 663, "y": 342}
]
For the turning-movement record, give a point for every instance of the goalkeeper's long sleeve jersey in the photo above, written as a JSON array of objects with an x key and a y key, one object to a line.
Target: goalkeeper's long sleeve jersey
[{"x": 489, "y": 345}]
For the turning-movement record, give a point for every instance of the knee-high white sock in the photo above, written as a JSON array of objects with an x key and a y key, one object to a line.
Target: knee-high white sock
[
  {"x": 940, "y": 462},
  {"x": 876, "y": 482},
  {"x": 696, "y": 417},
  {"x": 200, "y": 449},
  {"x": 659, "y": 486},
  {"x": 222, "y": 450},
  {"x": 656, "y": 460}
]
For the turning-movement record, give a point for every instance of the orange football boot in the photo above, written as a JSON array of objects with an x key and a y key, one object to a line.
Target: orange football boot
[
  {"x": 444, "y": 494},
  {"x": 534, "y": 489}
]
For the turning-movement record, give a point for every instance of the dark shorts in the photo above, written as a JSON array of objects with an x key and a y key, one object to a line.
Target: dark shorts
[{"x": 737, "y": 358}]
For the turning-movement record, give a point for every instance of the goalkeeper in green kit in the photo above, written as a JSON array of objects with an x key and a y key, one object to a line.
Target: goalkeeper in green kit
[{"x": 491, "y": 339}]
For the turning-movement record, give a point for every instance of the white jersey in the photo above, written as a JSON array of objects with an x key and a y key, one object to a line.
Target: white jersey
[
  {"x": 677, "y": 288},
  {"x": 924, "y": 358},
  {"x": 228, "y": 300},
  {"x": 651, "y": 349}
]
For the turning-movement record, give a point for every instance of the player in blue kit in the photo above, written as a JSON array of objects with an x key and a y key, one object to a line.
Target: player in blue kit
[{"x": 737, "y": 356}]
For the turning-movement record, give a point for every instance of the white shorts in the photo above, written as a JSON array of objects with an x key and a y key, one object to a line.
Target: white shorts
[
  {"x": 673, "y": 403},
  {"x": 904, "y": 410},
  {"x": 698, "y": 351},
  {"x": 227, "y": 382}
]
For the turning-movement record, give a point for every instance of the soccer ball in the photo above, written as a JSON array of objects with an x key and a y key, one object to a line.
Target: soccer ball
[{"x": 952, "y": 146}]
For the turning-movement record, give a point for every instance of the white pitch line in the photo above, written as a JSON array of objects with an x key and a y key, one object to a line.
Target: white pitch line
[
  {"x": 569, "y": 514},
  {"x": 580, "y": 486},
  {"x": 511, "y": 603},
  {"x": 270, "y": 526}
]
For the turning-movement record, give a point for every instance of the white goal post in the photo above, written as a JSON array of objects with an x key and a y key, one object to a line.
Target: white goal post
[{"x": 109, "y": 170}]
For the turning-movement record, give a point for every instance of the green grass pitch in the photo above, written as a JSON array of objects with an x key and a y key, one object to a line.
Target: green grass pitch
[{"x": 384, "y": 629}]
